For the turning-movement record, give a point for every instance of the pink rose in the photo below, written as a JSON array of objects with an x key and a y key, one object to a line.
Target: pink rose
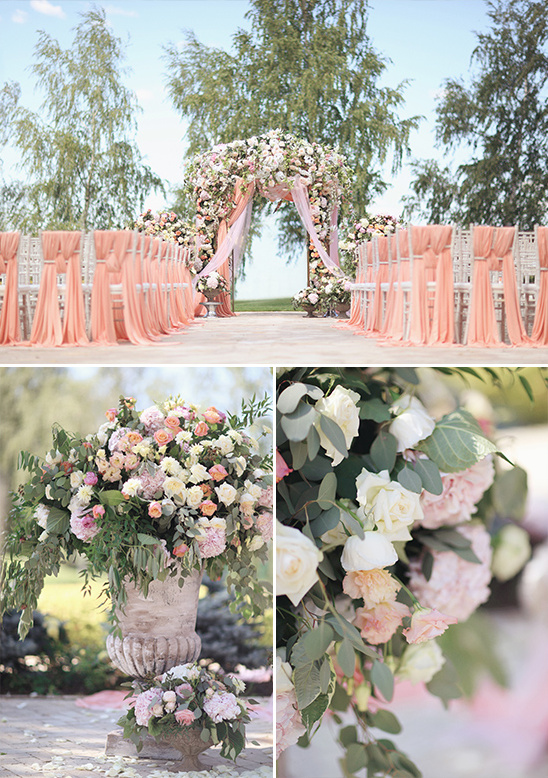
[
  {"x": 208, "y": 507},
  {"x": 180, "y": 550},
  {"x": 426, "y": 624},
  {"x": 172, "y": 422},
  {"x": 98, "y": 511},
  {"x": 111, "y": 414},
  {"x": 281, "y": 468},
  {"x": 217, "y": 472},
  {"x": 212, "y": 415},
  {"x": 155, "y": 510},
  {"x": 201, "y": 429},
  {"x": 90, "y": 478},
  {"x": 163, "y": 437},
  {"x": 185, "y": 717}
]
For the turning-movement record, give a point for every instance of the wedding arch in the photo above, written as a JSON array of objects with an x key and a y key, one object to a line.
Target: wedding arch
[{"x": 279, "y": 166}]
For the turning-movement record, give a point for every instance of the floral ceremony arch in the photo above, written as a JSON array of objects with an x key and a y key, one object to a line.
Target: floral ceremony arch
[{"x": 279, "y": 166}]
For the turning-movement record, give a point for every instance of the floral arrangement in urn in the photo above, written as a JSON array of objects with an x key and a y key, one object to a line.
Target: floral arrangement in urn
[
  {"x": 189, "y": 703},
  {"x": 307, "y": 299},
  {"x": 151, "y": 494},
  {"x": 384, "y": 539},
  {"x": 212, "y": 285}
]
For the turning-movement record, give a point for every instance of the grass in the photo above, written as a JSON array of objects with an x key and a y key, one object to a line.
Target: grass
[{"x": 275, "y": 304}]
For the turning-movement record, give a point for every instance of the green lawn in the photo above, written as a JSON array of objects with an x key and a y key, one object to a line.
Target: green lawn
[{"x": 276, "y": 304}]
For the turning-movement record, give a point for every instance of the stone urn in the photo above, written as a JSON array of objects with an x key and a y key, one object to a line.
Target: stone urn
[
  {"x": 310, "y": 309},
  {"x": 342, "y": 310},
  {"x": 159, "y": 630},
  {"x": 189, "y": 744}
]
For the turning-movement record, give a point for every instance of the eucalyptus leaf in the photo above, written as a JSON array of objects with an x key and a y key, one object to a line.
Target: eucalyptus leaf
[
  {"x": 429, "y": 474},
  {"x": 382, "y": 679},
  {"x": 346, "y": 658},
  {"x": 299, "y": 453},
  {"x": 334, "y": 434},
  {"x": 296, "y": 425},
  {"x": 316, "y": 641},
  {"x": 410, "y": 480},
  {"x": 374, "y": 409},
  {"x": 356, "y": 757},
  {"x": 289, "y": 398},
  {"x": 326, "y": 521},
  {"x": 313, "y": 443},
  {"x": 457, "y": 442},
  {"x": 327, "y": 491},
  {"x": 383, "y": 451}
]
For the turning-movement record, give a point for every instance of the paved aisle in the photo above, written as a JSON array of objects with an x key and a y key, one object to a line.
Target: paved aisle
[{"x": 270, "y": 338}]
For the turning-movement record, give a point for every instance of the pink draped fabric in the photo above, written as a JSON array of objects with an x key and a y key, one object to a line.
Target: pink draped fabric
[
  {"x": 482, "y": 329},
  {"x": 74, "y": 324},
  {"x": 419, "y": 330},
  {"x": 380, "y": 271},
  {"x": 443, "y": 317},
  {"x": 357, "y": 305},
  {"x": 388, "y": 322},
  {"x": 502, "y": 250},
  {"x": 10, "y": 331},
  {"x": 46, "y": 324},
  {"x": 395, "y": 333},
  {"x": 539, "y": 335},
  {"x": 102, "y": 320},
  {"x": 302, "y": 204}
]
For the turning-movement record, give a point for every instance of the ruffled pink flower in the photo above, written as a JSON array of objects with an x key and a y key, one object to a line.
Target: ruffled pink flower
[
  {"x": 83, "y": 526},
  {"x": 144, "y": 703},
  {"x": 151, "y": 484},
  {"x": 378, "y": 624},
  {"x": 184, "y": 717},
  {"x": 212, "y": 543},
  {"x": 456, "y": 587},
  {"x": 266, "y": 498},
  {"x": 222, "y": 706},
  {"x": 264, "y": 522},
  {"x": 118, "y": 440},
  {"x": 281, "y": 467},
  {"x": 153, "y": 419},
  {"x": 426, "y": 624},
  {"x": 461, "y": 492},
  {"x": 91, "y": 478},
  {"x": 289, "y": 726}
]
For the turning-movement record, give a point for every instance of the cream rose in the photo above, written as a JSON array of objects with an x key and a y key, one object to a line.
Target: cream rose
[
  {"x": 198, "y": 473},
  {"x": 341, "y": 407},
  {"x": 226, "y": 493},
  {"x": 194, "y": 496},
  {"x": 371, "y": 552},
  {"x": 512, "y": 550},
  {"x": 421, "y": 662},
  {"x": 412, "y": 423},
  {"x": 297, "y": 559},
  {"x": 393, "y": 508}
]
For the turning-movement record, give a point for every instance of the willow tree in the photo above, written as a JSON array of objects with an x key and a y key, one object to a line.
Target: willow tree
[
  {"x": 307, "y": 67},
  {"x": 78, "y": 153},
  {"x": 499, "y": 123}
]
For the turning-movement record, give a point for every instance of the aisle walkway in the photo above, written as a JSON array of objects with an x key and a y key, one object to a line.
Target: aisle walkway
[
  {"x": 55, "y": 737},
  {"x": 270, "y": 338}
]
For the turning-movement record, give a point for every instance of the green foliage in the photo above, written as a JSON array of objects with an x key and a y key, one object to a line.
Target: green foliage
[
  {"x": 79, "y": 152},
  {"x": 307, "y": 68},
  {"x": 501, "y": 118}
]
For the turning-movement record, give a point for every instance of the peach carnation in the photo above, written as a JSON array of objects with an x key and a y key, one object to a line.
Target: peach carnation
[
  {"x": 378, "y": 624},
  {"x": 461, "y": 492},
  {"x": 426, "y": 624},
  {"x": 374, "y": 586}
]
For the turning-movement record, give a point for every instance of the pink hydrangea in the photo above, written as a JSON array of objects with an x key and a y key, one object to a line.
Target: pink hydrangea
[
  {"x": 118, "y": 441},
  {"x": 222, "y": 706},
  {"x": 212, "y": 543},
  {"x": 144, "y": 703},
  {"x": 264, "y": 522},
  {"x": 456, "y": 587},
  {"x": 83, "y": 526},
  {"x": 461, "y": 492},
  {"x": 266, "y": 497},
  {"x": 289, "y": 726},
  {"x": 151, "y": 484},
  {"x": 153, "y": 419}
]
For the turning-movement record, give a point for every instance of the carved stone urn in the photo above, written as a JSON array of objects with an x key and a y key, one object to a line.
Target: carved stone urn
[
  {"x": 189, "y": 744},
  {"x": 159, "y": 630}
]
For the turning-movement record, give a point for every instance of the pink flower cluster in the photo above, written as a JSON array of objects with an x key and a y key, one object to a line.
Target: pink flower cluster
[
  {"x": 289, "y": 726},
  {"x": 153, "y": 419},
  {"x": 83, "y": 525},
  {"x": 151, "y": 484},
  {"x": 461, "y": 492},
  {"x": 213, "y": 542},
  {"x": 456, "y": 587},
  {"x": 264, "y": 522},
  {"x": 222, "y": 706},
  {"x": 144, "y": 704}
]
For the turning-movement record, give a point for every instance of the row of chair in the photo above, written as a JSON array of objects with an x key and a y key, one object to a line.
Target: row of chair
[
  {"x": 73, "y": 288},
  {"x": 441, "y": 285}
]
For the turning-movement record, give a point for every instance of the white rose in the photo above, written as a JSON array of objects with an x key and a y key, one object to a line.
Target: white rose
[
  {"x": 224, "y": 444},
  {"x": 239, "y": 465},
  {"x": 392, "y": 507},
  {"x": 157, "y": 710},
  {"x": 170, "y": 466},
  {"x": 421, "y": 662},
  {"x": 341, "y": 407},
  {"x": 412, "y": 423},
  {"x": 297, "y": 559},
  {"x": 255, "y": 543},
  {"x": 370, "y": 553},
  {"x": 226, "y": 493},
  {"x": 284, "y": 671},
  {"x": 76, "y": 478},
  {"x": 194, "y": 496},
  {"x": 174, "y": 487},
  {"x": 131, "y": 487},
  {"x": 512, "y": 550},
  {"x": 253, "y": 489},
  {"x": 198, "y": 473},
  {"x": 41, "y": 515}
]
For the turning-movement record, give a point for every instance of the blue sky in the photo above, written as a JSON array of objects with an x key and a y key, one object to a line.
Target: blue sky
[{"x": 427, "y": 41}]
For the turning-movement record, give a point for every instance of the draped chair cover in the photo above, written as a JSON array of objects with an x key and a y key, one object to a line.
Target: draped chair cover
[
  {"x": 10, "y": 330},
  {"x": 47, "y": 329},
  {"x": 177, "y": 313},
  {"x": 419, "y": 328},
  {"x": 152, "y": 274},
  {"x": 482, "y": 330},
  {"x": 125, "y": 249},
  {"x": 143, "y": 284},
  {"x": 388, "y": 322},
  {"x": 539, "y": 335},
  {"x": 502, "y": 251},
  {"x": 74, "y": 324},
  {"x": 380, "y": 271},
  {"x": 394, "y": 331},
  {"x": 356, "y": 319},
  {"x": 102, "y": 320},
  {"x": 443, "y": 317}
]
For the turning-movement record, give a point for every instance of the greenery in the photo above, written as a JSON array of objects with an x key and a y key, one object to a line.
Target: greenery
[
  {"x": 275, "y": 304},
  {"x": 307, "y": 68},
  {"x": 500, "y": 119},
  {"x": 78, "y": 152}
]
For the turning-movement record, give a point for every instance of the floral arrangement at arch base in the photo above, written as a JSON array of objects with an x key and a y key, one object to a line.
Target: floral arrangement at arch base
[
  {"x": 383, "y": 540},
  {"x": 212, "y": 285},
  {"x": 151, "y": 494}
]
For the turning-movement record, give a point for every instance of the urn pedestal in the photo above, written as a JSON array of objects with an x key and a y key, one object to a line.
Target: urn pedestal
[{"x": 159, "y": 630}]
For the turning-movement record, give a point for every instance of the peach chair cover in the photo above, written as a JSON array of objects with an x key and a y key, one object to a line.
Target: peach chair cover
[
  {"x": 152, "y": 274},
  {"x": 395, "y": 329},
  {"x": 443, "y": 318},
  {"x": 502, "y": 250},
  {"x": 142, "y": 280},
  {"x": 124, "y": 260},
  {"x": 539, "y": 335},
  {"x": 74, "y": 324},
  {"x": 482, "y": 330},
  {"x": 388, "y": 322},
  {"x": 165, "y": 289},
  {"x": 178, "y": 311},
  {"x": 419, "y": 329},
  {"x": 47, "y": 329},
  {"x": 10, "y": 330},
  {"x": 375, "y": 311},
  {"x": 356, "y": 298},
  {"x": 102, "y": 320}
]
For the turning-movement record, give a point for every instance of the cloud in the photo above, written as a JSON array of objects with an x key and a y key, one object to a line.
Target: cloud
[
  {"x": 47, "y": 8},
  {"x": 19, "y": 17},
  {"x": 115, "y": 10}
]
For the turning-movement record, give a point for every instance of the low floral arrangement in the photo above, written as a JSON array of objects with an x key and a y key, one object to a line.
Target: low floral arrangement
[
  {"x": 151, "y": 494},
  {"x": 273, "y": 159},
  {"x": 189, "y": 698},
  {"x": 212, "y": 284},
  {"x": 384, "y": 538},
  {"x": 307, "y": 297},
  {"x": 362, "y": 231}
]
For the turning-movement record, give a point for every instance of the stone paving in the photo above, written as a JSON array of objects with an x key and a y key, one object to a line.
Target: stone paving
[
  {"x": 53, "y": 736},
  {"x": 270, "y": 338}
]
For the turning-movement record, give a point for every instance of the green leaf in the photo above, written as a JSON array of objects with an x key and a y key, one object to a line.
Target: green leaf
[
  {"x": 374, "y": 409},
  {"x": 347, "y": 630},
  {"x": 299, "y": 452},
  {"x": 352, "y": 524},
  {"x": 429, "y": 474},
  {"x": 58, "y": 521},
  {"x": 334, "y": 434},
  {"x": 385, "y": 720},
  {"x": 510, "y": 493},
  {"x": 356, "y": 757},
  {"x": 146, "y": 540},
  {"x": 348, "y": 735},
  {"x": 290, "y": 397},
  {"x": 383, "y": 451},
  {"x": 527, "y": 386},
  {"x": 410, "y": 480},
  {"x": 326, "y": 676},
  {"x": 297, "y": 424},
  {"x": 445, "y": 684},
  {"x": 382, "y": 678},
  {"x": 408, "y": 374},
  {"x": 111, "y": 497},
  {"x": 326, "y": 520},
  {"x": 313, "y": 443},
  {"x": 327, "y": 491},
  {"x": 316, "y": 641},
  {"x": 457, "y": 442},
  {"x": 307, "y": 684},
  {"x": 346, "y": 658}
]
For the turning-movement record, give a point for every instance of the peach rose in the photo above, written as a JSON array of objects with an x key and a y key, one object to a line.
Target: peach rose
[
  {"x": 208, "y": 507},
  {"x": 206, "y": 489},
  {"x": 163, "y": 437},
  {"x": 173, "y": 422},
  {"x": 155, "y": 510},
  {"x": 427, "y": 623},
  {"x": 212, "y": 415},
  {"x": 98, "y": 511},
  {"x": 134, "y": 437},
  {"x": 111, "y": 414},
  {"x": 217, "y": 472},
  {"x": 185, "y": 717},
  {"x": 180, "y": 550},
  {"x": 201, "y": 429}
]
